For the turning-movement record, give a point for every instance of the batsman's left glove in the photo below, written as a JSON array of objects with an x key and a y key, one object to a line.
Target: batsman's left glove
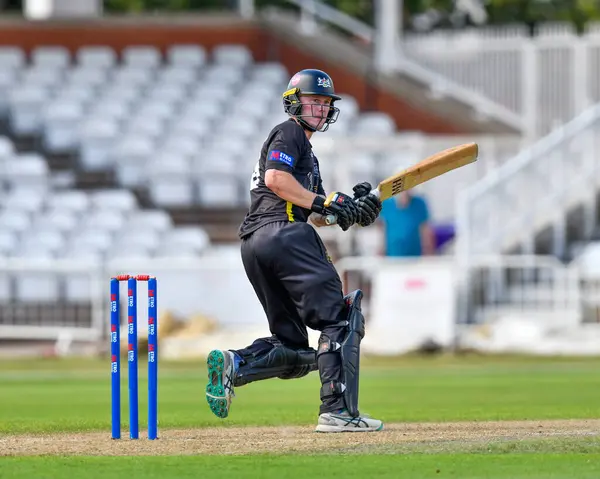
[
  {"x": 342, "y": 206},
  {"x": 369, "y": 205}
]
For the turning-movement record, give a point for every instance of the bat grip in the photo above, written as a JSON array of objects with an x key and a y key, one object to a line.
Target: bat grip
[{"x": 332, "y": 219}]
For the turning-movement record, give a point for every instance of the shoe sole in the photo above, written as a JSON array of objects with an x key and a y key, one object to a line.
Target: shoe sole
[
  {"x": 326, "y": 428},
  {"x": 215, "y": 391}
]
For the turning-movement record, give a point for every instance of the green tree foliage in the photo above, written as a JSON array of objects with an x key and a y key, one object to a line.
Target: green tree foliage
[
  {"x": 138, "y": 6},
  {"x": 531, "y": 12}
]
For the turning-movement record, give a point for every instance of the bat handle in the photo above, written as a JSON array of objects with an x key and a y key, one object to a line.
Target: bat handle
[{"x": 332, "y": 219}]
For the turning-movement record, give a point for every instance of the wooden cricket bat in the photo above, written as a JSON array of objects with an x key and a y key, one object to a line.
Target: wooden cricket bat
[{"x": 427, "y": 169}]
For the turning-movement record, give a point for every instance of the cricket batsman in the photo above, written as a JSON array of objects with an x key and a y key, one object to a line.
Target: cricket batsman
[{"x": 291, "y": 272}]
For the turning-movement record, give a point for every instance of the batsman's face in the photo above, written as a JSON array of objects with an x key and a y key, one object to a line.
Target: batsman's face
[{"x": 315, "y": 109}]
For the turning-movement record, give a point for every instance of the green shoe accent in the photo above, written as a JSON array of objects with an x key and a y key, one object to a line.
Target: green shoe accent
[{"x": 215, "y": 391}]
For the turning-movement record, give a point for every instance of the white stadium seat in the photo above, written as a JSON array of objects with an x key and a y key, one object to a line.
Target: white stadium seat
[
  {"x": 105, "y": 219},
  {"x": 130, "y": 157},
  {"x": 169, "y": 181},
  {"x": 177, "y": 75},
  {"x": 50, "y": 240},
  {"x": 96, "y": 57},
  {"x": 42, "y": 76},
  {"x": 117, "y": 200},
  {"x": 24, "y": 199},
  {"x": 145, "y": 239},
  {"x": 74, "y": 201},
  {"x": 97, "y": 137},
  {"x": 26, "y": 105},
  {"x": 27, "y": 171},
  {"x": 144, "y": 126},
  {"x": 181, "y": 145},
  {"x": 12, "y": 58},
  {"x": 375, "y": 123},
  {"x": 16, "y": 221},
  {"x": 192, "y": 238},
  {"x": 186, "y": 55},
  {"x": 348, "y": 106},
  {"x": 128, "y": 76},
  {"x": 8, "y": 242},
  {"x": 230, "y": 75},
  {"x": 270, "y": 73},
  {"x": 238, "y": 55},
  {"x": 89, "y": 77},
  {"x": 141, "y": 56},
  {"x": 7, "y": 149},
  {"x": 80, "y": 94},
  {"x": 61, "y": 122},
  {"x": 150, "y": 220},
  {"x": 218, "y": 190},
  {"x": 37, "y": 286},
  {"x": 93, "y": 239},
  {"x": 51, "y": 56},
  {"x": 61, "y": 220},
  {"x": 8, "y": 80}
]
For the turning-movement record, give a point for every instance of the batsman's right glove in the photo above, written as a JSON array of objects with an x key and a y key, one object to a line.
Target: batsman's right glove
[
  {"x": 339, "y": 204},
  {"x": 369, "y": 205}
]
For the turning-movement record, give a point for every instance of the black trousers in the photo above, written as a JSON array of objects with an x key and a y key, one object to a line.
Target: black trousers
[{"x": 296, "y": 283}]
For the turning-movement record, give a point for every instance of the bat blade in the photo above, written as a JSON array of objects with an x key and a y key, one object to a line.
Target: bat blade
[{"x": 427, "y": 169}]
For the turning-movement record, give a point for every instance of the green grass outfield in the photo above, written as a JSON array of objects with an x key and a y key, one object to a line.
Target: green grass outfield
[{"x": 48, "y": 396}]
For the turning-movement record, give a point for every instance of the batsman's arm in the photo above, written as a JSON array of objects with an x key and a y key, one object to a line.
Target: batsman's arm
[{"x": 284, "y": 185}]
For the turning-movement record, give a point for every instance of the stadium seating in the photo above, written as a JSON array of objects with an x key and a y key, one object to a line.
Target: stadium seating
[
  {"x": 176, "y": 124},
  {"x": 39, "y": 219}
]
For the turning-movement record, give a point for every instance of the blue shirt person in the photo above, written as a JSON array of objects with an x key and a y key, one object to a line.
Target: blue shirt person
[{"x": 407, "y": 228}]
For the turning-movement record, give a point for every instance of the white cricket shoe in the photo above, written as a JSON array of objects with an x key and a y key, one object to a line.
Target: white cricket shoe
[
  {"x": 219, "y": 390},
  {"x": 343, "y": 422}
]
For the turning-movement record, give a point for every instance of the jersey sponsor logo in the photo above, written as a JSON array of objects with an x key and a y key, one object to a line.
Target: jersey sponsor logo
[
  {"x": 324, "y": 82},
  {"x": 315, "y": 176},
  {"x": 281, "y": 157}
]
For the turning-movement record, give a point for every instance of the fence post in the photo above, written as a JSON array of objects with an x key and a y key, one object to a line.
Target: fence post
[{"x": 529, "y": 85}]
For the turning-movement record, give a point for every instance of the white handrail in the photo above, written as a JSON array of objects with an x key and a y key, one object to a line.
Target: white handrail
[
  {"x": 445, "y": 87},
  {"x": 530, "y": 154},
  {"x": 563, "y": 176},
  {"x": 439, "y": 85},
  {"x": 337, "y": 17}
]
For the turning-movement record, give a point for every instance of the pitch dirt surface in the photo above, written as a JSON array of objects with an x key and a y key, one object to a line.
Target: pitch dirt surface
[{"x": 281, "y": 440}]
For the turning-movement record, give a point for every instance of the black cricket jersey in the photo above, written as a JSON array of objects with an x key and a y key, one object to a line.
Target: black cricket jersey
[{"x": 287, "y": 149}]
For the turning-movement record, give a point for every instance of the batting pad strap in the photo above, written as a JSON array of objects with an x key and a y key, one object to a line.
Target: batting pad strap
[
  {"x": 332, "y": 388},
  {"x": 326, "y": 345}
]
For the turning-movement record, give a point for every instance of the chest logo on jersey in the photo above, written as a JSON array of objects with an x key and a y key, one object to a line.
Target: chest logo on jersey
[{"x": 281, "y": 157}]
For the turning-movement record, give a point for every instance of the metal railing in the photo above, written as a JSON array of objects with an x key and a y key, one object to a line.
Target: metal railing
[
  {"x": 534, "y": 190},
  {"x": 50, "y": 299},
  {"x": 314, "y": 11},
  {"x": 546, "y": 79},
  {"x": 535, "y": 288},
  {"x": 538, "y": 288},
  {"x": 526, "y": 286},
  {"x": 58, "y": 299},
  {"x": 533, "y": 84}
]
